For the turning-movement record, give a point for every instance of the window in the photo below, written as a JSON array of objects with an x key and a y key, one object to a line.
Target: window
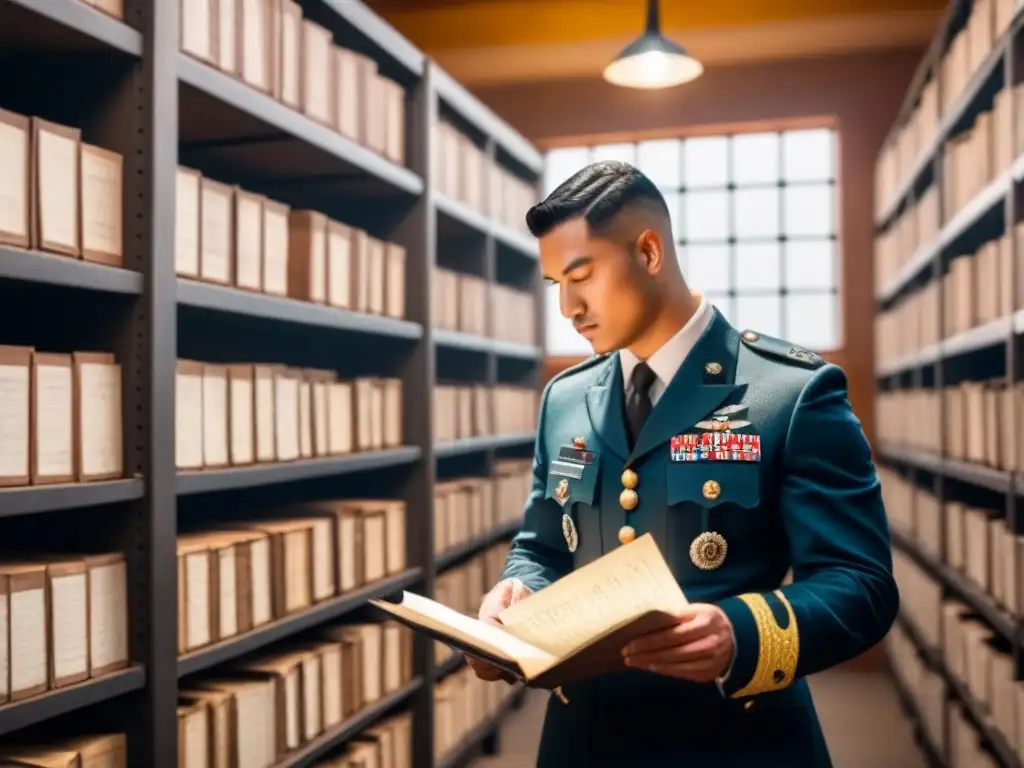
[{"x": 754, "y": 217}]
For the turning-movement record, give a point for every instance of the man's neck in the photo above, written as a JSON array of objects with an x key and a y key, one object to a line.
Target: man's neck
[{"x": 674, "y": 315}]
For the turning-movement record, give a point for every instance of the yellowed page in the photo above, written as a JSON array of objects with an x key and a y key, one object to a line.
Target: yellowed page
[
  {"x": 605, "y": 594},
  {"x": 431, "y": 615}
]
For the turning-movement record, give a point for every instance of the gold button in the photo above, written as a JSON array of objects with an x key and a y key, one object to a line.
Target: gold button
[
  {"x": 748, "y": 705},
  {"x": 713, "y": 369},
  {"x": 712, "y": 490},
  {"x": 628, "y": 499},
  {"x": 751, "y": 336},
  {"x": 630, "y": 479},
  {"x": 627, "y": 534}
]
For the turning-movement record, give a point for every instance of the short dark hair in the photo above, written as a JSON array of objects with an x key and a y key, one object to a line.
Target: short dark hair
[{"x": 597, "y": 192}]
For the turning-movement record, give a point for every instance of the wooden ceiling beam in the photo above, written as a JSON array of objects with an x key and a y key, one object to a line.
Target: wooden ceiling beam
[
  {"x": 479, "y": 66},
  {"x": 449, "y": 25}
]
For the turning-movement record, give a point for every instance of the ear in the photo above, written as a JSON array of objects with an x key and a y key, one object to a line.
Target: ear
[{"x": 650, "y": 251}]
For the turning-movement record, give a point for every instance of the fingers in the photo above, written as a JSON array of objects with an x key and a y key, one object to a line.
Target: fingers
[
  {"x": 485, "y": 671},
  {"x": 505, "y": 593},
  {"x": 519, "y": 592},
  {"x": 489, "y": 672},
  {"x": 699, "y": 651},
  {"x": 689, "y": 631},
  {"x": 495, "y": 602}
]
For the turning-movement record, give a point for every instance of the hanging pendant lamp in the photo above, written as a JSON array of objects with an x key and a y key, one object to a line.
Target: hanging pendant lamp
[{"x": 652, "y": 60}]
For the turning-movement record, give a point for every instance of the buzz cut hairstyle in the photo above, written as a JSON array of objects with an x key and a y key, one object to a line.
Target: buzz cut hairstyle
[{"x": 598, "y": 193}]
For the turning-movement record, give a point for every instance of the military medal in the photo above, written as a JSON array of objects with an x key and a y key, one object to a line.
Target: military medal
[
  {"x": 721, "y": 423},
  {"x": 717, "y": 441},
  {"x": 708, "y": 550},
  {"x": 561, "y": 495},
  {"x": 562, "y": 491},
  {"x": 569, "y": 531}
]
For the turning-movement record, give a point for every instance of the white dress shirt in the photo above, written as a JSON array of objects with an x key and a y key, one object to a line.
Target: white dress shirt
[
  {"x": 665, "y": 363},
  {"x": 670, "y": 357}
]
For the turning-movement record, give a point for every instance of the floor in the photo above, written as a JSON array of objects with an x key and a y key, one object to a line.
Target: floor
[{"x": 859, "y": 712}]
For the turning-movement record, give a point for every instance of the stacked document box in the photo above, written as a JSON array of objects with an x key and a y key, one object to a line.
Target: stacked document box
[
  {"x": 461, "y": 703},
  {"x": 102, "y": 750},
  {"x": 275, "y": 703},
  {"x": 235, "y": 579},
  {"x": 232, "y": 237},
  {"x": 468, "y": 303},
  {"x": 462, "y": 411},
  {"x": 217, "y": 371},
  {"x": 949, "y": 271},
  {"x": 467, "y": 175},
  {"x": 242, "y": 413}
]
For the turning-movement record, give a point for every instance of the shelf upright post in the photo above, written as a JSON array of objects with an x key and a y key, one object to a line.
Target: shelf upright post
[
  {"x": 539, "y": 289},
  {"x": 1014, "y": 520},
  {"x": 142, "y": 125},
  {"x": 150, "y": 169},
  {"x": 935, "y": 51},
  {"x": 939, "y": 367},
  {"x": 490, "y": 255},
  {"x": 419, "y": 235}
]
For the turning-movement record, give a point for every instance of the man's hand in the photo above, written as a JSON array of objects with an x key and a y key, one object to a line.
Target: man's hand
[
  {"x": 506, "y": 593},
  {"x": 698, "y": 648}
]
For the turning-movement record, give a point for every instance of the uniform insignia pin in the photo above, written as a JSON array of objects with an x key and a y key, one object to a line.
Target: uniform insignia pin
[
  {"x": 713, "y": 369},
  {"x": 799, "y": 353},
  {"x": 562, "y": 491},
  {"x": 708, "y": 550},
  {"x": 572, "y": 537},
  {"x": 721, "y": 424}
]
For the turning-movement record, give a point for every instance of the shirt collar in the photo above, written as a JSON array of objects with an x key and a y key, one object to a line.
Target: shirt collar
[{"x": 669, "y": 358}]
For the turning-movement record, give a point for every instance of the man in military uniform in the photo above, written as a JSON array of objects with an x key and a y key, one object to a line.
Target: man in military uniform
[{"x": 740, "y": 455}]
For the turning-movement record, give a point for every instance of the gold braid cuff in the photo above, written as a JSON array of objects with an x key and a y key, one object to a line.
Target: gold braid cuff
[{"x": 778, "y": 648}]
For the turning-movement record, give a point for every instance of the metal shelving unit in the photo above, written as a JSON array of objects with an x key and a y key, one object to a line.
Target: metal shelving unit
[
  {"x": 157, "y": 108},
  {"x": 323, "y": 744},
  {"x": 483, "y": 738},
  {"x": 989, "y": 350},
  {"x": 321, "y": 613},
  {"x": 38, "y": 709}
]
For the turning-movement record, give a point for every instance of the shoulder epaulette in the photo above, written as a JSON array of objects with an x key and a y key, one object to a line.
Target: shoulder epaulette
[
  {"x": 590, "y": 362},
  {"x": 781, "y": 350}
]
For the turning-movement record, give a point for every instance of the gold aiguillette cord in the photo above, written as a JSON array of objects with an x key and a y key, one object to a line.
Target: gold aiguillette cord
[{"x": 560, "y": 695}]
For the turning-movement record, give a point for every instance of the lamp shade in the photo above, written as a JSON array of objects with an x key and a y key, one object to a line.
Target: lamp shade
[{"x": 652, "y": 61}]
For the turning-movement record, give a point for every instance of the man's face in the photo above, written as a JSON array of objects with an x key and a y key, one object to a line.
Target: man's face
[{"x": 597, "y": 285}]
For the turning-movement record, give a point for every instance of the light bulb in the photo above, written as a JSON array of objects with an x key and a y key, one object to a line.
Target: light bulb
[{"x": 653, "y": 69}]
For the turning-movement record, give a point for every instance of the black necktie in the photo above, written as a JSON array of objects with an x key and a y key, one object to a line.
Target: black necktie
[{"x": 638, "y": 404}]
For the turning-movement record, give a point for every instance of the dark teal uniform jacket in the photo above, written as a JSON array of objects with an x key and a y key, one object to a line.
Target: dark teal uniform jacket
[{"x": 810, "y": 502}]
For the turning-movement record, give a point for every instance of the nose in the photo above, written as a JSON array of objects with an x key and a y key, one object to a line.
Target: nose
[{"x": 569, "y": 302}]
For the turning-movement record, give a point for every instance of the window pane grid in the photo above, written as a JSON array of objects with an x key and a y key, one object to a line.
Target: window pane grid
[
  {"x": 778, "y": 239},
  {"x": 754, "y": 217},
  {"x": 733, "y": 186},
  {"x": 734, "y": 292}
]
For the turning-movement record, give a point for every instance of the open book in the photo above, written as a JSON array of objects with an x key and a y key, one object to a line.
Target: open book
[{"x": 572, "y": 629}]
